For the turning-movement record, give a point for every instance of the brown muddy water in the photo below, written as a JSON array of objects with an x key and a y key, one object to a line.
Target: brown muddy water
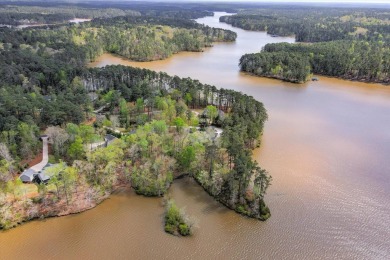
[{"x": 326, "y": 144}]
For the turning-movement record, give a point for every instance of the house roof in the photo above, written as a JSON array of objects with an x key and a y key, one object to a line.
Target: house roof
[
  {"x": 44, "y": 175},
  {"x": 28, "y": 174},
  {"x": 109, "y": 138}
]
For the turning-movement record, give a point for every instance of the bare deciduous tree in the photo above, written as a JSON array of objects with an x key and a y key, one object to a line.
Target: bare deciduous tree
[
  {"x": 57, "y": 137},
  {"x": 4, "y": 153}
]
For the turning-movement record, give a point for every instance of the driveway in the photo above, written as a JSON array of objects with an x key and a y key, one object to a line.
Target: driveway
[{"x": 45, "y": 157}]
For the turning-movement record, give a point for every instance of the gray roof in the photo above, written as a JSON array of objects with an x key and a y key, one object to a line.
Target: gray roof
[
  {"x": 110, "y": 138},
  {"x": 28, "y": 175},
  {"x": 43, "y": 177}
]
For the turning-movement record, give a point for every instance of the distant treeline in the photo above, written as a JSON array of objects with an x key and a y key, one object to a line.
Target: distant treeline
[
  {"x": 309, "y": 24},
  {"x": 46, "y": 14},
  {"x": 339, "y": 42},
  {"x": 354, "y": 60},
  {"x": 18, "y": 15}
]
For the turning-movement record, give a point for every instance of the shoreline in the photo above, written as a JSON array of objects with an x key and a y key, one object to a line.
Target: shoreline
[
  {"x": 41, "y": 215},
  {"x": 379, "y": 83}
]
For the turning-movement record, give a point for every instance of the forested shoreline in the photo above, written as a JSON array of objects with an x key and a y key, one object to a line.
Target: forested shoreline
[
  {"x": 44, "y": 13},
  {"x": 344, "y": 43},
  {"x": 151, "y": 104},
  {"x": 47, "y": 89},
  {"x": 23, "y": 15},
  {"x": 351, "y": 60},
  {"x": 315, "y": 24}
]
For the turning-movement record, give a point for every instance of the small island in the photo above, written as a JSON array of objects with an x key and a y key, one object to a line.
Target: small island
[{"x": 176, "y": 221}]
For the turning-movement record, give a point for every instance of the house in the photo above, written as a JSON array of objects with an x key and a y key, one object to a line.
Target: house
[
  {"x": 108, "y": 139},
  {"x": 44, "y": 176},
  {"x": 28, "y": 175},
  {"x": 31, "y": 174}
]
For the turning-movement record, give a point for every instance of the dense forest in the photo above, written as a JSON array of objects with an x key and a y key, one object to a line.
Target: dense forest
[
  {"x": 350, "y": 44},
  {"x": 280, "y": 65},
  {"x": 165, "y": 126},
  {"x": 143, "y": 39},
  {"x": 353, "y": 60},
  {"x": 44, "y": 63},
  {"x": 22, "y": 15},
  {"x": 43, "y": 13},
  {"x": 51, "y": 57},
  {"x": 314, "y": 24}
]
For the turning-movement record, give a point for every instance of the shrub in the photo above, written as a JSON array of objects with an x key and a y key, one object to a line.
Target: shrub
[
  {"x": 175, "y": 220},
  {"x": 241, "y": 209},
  {"x": 169, "y": 228},
  {"x": 184, "y": 230}
]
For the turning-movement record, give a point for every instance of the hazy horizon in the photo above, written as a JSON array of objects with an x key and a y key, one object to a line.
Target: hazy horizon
[{"x": 211, "y": 1}]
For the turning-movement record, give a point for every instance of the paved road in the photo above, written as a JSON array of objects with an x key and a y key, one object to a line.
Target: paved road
[{"x": 45, "y": 157}]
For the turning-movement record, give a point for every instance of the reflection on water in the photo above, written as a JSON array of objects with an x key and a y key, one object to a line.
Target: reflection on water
[{"x": 326, "y": 145}]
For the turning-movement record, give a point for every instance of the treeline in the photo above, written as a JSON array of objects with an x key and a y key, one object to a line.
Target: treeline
[
  {"x": 280, "y": 65},
  {"x": 347, "y": 43},
  {"x": 353, "y": 60},
  {"x": 150, "y": 38},
  {"x": 310, "y": 24},
  {"x": 19, "y": 15},
  {"x": 304, "y": 30},
  {"x": 16, "y": 19},
  {"x": 180, "y": 14},
  {"x": 46, "y": 14},
  {"x": 128, "y": 22},
  {"x": 191, "y": 10}
]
